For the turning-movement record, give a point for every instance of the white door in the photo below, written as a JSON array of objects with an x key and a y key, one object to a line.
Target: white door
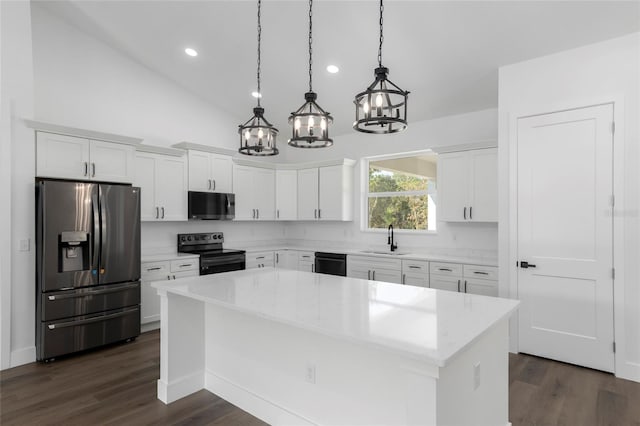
[
  {"x": 59, "y": 156},
  {"x": 286, "y": 194},
  {"x": 221, "y": 169},
  {"x": 111, "y": 162},
  {"x": 453, "y": 187},
  {"x": 330, "y": 181},
  {"x": 264, "y": 193},
  {"x": 145, "y": 178},
  {"x": 199, "y": 171},
  {"x": 243, "y": 188},
  {"x": 171, "y": 188},
  {"x": 565, "y": 230},
  {"x": 308, "y": 194},
  {"x": 484, "y": 185}
]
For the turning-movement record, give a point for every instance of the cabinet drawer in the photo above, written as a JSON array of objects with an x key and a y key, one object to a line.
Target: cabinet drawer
[
  {"x": 376, "y": 263},
  {"x": 482, "y": 272},
  {"x": 441, "y": 268},
  {"x": 260, "y": 259},
  {"x": 184, "y": 265},
  {"x": 155, "y": 268},
  {"x": 415, "y": 267},
  {"x": 307, "y": 256}
]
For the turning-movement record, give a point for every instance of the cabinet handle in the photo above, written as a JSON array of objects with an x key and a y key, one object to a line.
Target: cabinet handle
[
  {"x": 93, "y": 169},
  {"x": 260, "y": 257},
  {"x": 414, "y": 267},
  {"x": 214, "y": 184},
  {"x": 480, "y": 273},
  {"x": 368, "y": 275},
  {"x": 465, "y": 286},
  {"x": 157, "y": 212},
  {"x": 306, "y": 257},
  {"x": 253, "y": 213},
  {"x": 185, "y": 265},
  {"x": 209, "y": 184},
  {"x": 404, "y": 276},
  {"x": 278, "y": 214},
  {"x": 153, "y": 269},
  {"x": 162, "y": 212},
  {"x": 470, "y": 212},
  {"x": 174, "y": 277},
  {"x": 168, "y": 277},
  {"x": 257, "y": 213},
  {"x": 277, "y": 258},
  {"x": 315, "y": 213},
  {"x": 374, "y": 275},
  {"x": 86, "y": 168},
  {"x": 445, "y": 269},
  {"x": 458, "y": 286},
  {"x": 465, "y": 213},
  {"x": 319, "y": 215}
]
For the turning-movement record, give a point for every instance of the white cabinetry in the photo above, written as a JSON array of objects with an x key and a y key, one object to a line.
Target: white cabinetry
[
  {"x": 260, "y": 259},
  {"x": 255, "y": 193},
  {"x": 374, "y": 268},
  {"x": 163, "y": 183},
  {"x": 161, "y": 271},
  {"x": 210, "y": 172},
  {"x": 445, "y": 276},
  {"x": 415, "y": 272},
  {"x": 306, "y": 261},
  {"x": 70, "y": 157},
  {"x": 286, "y": 194},
  {"x": 286, "y": 259},
  {"x": 473, "y": 279},
  {"x": 468, "y": 186},
  {"x": 325, "y": 193}
]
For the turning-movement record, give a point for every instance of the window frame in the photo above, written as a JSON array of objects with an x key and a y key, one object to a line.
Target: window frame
[{"x": 365, "y": 195}]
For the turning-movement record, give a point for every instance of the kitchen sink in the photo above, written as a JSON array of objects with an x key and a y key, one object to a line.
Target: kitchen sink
[{"x": 389, "y": 252}]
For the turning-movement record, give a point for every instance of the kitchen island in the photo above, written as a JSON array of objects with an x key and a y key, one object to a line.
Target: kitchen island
[{"x": 293, "y": 347}]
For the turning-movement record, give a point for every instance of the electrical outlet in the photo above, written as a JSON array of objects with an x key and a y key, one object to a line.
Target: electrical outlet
[
  {"x": 310, "y": 375},
  {"x": 476, "y": 376}
]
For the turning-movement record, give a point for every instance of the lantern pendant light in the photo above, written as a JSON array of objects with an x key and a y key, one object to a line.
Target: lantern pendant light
[
  {"x": 310, "y": 123},
  {"x": 257, "y": 135},
  {"x": 382, "y": 107}
]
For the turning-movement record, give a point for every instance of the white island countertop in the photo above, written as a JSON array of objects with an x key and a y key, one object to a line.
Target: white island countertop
[{"x": 422, "y": 323}]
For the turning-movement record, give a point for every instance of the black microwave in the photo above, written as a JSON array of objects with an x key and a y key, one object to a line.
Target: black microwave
[{"x": 211, "y": 206}]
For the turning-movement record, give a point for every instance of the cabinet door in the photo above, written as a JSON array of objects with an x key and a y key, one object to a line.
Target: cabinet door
[
  {"x": 484, "y": 185},
  {"x": 199, "y": 171},
  {"x": 483, "y": 287},
  {"x": 111, "y": 162},
  {"x": 59, "y": 156},
  {"x": 444, "y": 283},
  {"x": 308, "y": 194},
  {"x": 387, "y": 276},
  {"x": 418, "y": 280},
  {"x": 221, "y": 173},
  {"x": 145, "y": 178},
  {"x": 264, "y": 193},
  {"x": 453, "y": 187},
  {"x": 243, "y": 188},
  {"x": 359, "y": 271},
  {"x": 305, "y": 265},
  {"x": 171, "y": 188},
  {"x": 286, "y": 259},
  {"x": 331, "y": 190},
  {"x": 149, "y": 299},
  {"x": 286, "y": 194}
]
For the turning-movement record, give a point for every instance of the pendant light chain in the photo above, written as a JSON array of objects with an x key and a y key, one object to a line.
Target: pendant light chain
[
  {"x": 381, "y": 36},
  {"x": 259, "y": 42},
  {"x": 310, "y": 41}
]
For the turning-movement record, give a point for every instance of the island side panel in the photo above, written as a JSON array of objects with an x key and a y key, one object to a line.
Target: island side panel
[
  {"x": 468, "y": 398},
  {"x": 287, "y": 375},
  {"x": 181, "y": 347}
]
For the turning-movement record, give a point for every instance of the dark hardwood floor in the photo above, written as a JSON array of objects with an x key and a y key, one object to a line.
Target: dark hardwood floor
[{"x": 117, "y": 386}]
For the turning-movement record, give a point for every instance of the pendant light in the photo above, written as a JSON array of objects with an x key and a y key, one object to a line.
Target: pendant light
[
  {"x": 257, "y": 135},
  {"x": 382, "y": 107},
  {"x": 310, "y": 123}
]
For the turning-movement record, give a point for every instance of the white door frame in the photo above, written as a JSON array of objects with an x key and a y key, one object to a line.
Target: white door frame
[{"x": 618, "y": 220}]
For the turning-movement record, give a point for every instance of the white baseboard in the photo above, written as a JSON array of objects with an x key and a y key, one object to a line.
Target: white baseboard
[
  {"x": 629, "y": 371},
  {"x": 149, "y": 326},
  {"x": 169, "y": 392},
  {"x": 23, "y": 356},
  {"x": 251, "y": 403}
]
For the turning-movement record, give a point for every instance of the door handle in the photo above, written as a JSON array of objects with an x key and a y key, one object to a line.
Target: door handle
[
  {"x": 93, "y": 169},
  {"x": 464, "y": 214},
  {"x": 470, "y": 212},
  {"x": 525, "y": 265},
  {"x": 162, "y": 208},
  {"x": 88, "y": 321}
]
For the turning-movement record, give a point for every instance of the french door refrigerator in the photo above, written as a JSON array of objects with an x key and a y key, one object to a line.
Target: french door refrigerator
[{"x": 87, "y": 265}]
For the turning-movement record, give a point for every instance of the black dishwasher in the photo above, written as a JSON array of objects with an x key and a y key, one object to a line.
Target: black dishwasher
[{"x": 331, "y": 263}]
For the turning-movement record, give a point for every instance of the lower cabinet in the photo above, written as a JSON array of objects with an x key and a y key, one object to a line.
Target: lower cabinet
[
  {"x": 161, "y": 271},
  {"x": 472, "y": 279},
  {"x": 260, "y": 259},
  {"x": 306, "y": 261},
  {"x": 415, "y": 272},
  {"x": 286, "y": 259},
  {"x": 374, "y": 268}
]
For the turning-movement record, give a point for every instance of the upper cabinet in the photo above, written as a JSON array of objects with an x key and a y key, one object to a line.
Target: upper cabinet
[
  {"x": 254, "y": 189},
  {"x": 468, "y": 186},
  {"x": 71, "y": 157},
  {"x": 210, "y": 172},
  {"x": 163, "y": 180},
  {"x": 286, "y": 194},
  {"x": 326, "y": 193}
]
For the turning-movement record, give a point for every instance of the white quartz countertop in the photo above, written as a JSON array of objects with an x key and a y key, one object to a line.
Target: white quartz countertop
[
  {"x": 407, "y": 254},
  {"x": 422, "y": 323},
  {"x": 161, "y": 257}
]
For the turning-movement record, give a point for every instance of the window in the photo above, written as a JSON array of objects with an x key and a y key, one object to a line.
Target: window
[{"x": 401, "y": 191}]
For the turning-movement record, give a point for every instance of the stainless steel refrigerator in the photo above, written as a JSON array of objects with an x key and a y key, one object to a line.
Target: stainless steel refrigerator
[{"x": 87, "y": 265}]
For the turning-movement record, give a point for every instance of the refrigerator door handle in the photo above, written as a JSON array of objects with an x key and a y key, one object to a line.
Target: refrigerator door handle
[
  {"x": 95, "y": 207},
  {"x": 89, "y": 320},
  {"x": 103, "y": 231}
]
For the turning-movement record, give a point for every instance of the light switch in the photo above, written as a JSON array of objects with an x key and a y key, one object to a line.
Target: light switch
[{"x": 25, "y": 245}]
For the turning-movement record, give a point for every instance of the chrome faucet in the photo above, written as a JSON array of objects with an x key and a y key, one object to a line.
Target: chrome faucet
[{"x": 390, "y": 238}]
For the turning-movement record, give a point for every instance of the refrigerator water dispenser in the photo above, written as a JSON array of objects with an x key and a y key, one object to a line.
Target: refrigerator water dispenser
[{"x": 73, "y": 251}]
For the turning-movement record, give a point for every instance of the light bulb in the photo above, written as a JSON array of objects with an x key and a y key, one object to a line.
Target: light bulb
[
  {"x": 260, "y": 133},
  {"x": 247, "y": 135},
  {"x": 310, "y": 123},
  {"x": 297, "y": 124},
  {"x": 365, "y": 107},
  {"x": 323, "y": 124},
  {"x": 379, "y": 100}
]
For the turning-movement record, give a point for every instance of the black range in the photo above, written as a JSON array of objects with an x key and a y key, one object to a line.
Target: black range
[{"x": 213, "y": 257}]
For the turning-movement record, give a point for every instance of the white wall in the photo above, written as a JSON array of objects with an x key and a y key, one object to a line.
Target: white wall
[
  {"x": 464, "y": 238},
  {"x": 16, "y": 187},
  {"x": 602, "y": 72}
]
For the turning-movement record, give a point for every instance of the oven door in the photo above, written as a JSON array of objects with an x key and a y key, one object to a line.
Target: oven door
[{"x": 213, "y": 264}]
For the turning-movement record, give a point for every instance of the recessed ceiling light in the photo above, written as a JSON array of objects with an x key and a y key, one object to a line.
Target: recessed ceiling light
[
  {"x": 333, "y": 69},
  {"x": 191, "y": 52},
  {"x": 256, "y": 95}
]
